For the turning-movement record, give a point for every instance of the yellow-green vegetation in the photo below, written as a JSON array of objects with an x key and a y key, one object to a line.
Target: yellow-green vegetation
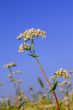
[
  {"x": 43, "y": 103},
  {"x": 47, "y": 100}
]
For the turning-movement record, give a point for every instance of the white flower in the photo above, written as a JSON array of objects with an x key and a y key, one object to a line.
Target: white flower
[
  {"x": 31, "y": 33},
  {"x": 62, "y": 73},
  {"x": 9, "y": 65},
  {"x": 23, "y": 47}
]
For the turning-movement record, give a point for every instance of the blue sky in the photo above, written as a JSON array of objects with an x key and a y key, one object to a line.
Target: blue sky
[{"x": 56, "y": 51}]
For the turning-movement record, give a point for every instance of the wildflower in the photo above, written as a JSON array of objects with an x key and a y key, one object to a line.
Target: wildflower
[
  {"x": 24, "y": 47},
  {"x": 64, "y": 83},
  {"x": 13, "y": 81},
  {"x": 62, "y": 73},
  {"x": 31, "y": 89},
  {"x": 21, "y": 91},
  {"x": 52, "y": 78},
  {"x": 19, "y": 97},
  {"x": 17, "y": 72},
  {"x": 65, "y": 98},
  {"x": 10, "y": 76},
  {"x": 31, "y": 33},
  {"x": 20, "y": 36},
  {"x": 9, "y": 65},
  {"x": 61, "y": 89},
  {"x": 20, "y": 81}
]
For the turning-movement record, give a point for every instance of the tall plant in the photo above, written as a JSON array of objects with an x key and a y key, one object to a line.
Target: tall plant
[{"x": 28, "y": 36}]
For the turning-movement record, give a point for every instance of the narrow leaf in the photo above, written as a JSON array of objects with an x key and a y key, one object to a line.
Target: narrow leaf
[
  {"x": 53, "y": 87},
  {"x": 41, "y": 83}
]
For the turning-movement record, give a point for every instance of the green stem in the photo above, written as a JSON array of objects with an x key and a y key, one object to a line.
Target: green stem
[
  {"x": 43, "y": 72},
  {"x": 54, "y": 93},
  {"x": 32, "y": 45},
  {"x": 13, "y": 80},
  {"x": 68, "y": 99},
  {"x": 16, "y": 91}
]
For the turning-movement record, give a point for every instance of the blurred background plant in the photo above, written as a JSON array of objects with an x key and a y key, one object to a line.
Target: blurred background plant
[{"x": 41, "y": 100}]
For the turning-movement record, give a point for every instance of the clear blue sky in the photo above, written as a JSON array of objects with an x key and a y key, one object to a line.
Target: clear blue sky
[{"x": 53, "y": 16}]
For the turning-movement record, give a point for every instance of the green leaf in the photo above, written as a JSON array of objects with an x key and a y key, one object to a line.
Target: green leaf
[
  {"x": 53, "y": 87},
  {"x": 30, "y": 55},
  {"x": 41, "y": 83},
  {"x": 20, "y": 105},
  {"x": 33, "y": 55}
]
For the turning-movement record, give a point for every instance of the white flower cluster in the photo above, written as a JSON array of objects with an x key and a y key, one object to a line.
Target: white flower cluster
[
  {"x": 62, "y": 73},
  {"x": 9, "y": 65},
  {"x": 31, "y": 33},
  {"x": 23, "y": 47}
]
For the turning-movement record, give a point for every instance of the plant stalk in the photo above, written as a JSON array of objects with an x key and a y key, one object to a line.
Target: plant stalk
[
  {"x": 16, "y": 92},
  {"x": 48, "y": 82},
  {"x": 13, "y": 79}
]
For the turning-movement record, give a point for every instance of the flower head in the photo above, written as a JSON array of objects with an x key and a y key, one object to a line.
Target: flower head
[
  {"x": 20, "y": 81},
  {"x": 21, "y": 91},
  {"x": 9, "y": 65},
  {"x": 64, "y": 83},
  {"x": 61, "y": 89},
  {"x": 24, "y": 47},
  {"x": 62, "y": 73},
  {"x": 13, "y": 81},
  {"x": 31, "y": 33},
  {"x": 52, "y": 78},
  {"x": 10, "y": 76},
  {"x": 20, "y": 97},
  {"x": 17, "y": 72}
]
